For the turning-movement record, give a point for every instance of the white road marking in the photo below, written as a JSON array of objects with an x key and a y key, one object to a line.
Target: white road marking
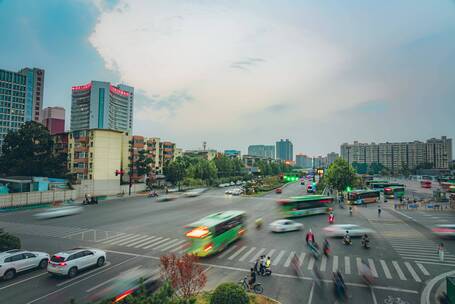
[
  {"x": 270, "y": 253},
  {"x": 278, "y": 258},
  {"x": 173, "y": 245},
  {"x": 386, "y": 269},
  {"x": 238, "y": 252},
  {"x": 301, "y": 258},
  {"x": 84, "y": 274},
  {"x": 148, "y": 242},
  {"x": 347, "y": 265},
  {"x": 22, "y": 281},
  {"x": 141, "y": 237},
  {"x": 359, "y": 264},
  {"x": 156, "y": 243},
  {"x": 165, "y": 244},
  {"x": 101, "y": 284},
  {"x": 373, "y": 268},
  {"x": 311, "y": 263},
  {"x": 424, "y": 271},
  {"x": 399, "y": 271},
  {"x": 412, "y": 271},
  {"x": 335, "y": 263},
  {"x": 112, "y": 237},
  {"x": 141, "y": 241},
  {"x": 373, "y": 296},
  {"x": 226, "y": 252},
  {"x": 119, "y": 239},
  {"x": 289, "y": 259},
  {"x": 323, "y": 263},
  {"x": 310, "y": 298}
]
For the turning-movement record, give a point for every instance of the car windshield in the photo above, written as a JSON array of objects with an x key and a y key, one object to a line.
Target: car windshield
[{"x": 57, "y": 259}]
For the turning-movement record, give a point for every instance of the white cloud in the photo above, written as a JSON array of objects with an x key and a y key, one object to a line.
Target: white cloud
[{"x": 234, "y": 59}]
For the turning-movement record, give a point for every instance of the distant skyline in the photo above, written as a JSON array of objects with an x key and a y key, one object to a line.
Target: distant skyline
[{"x": 238, "y": 73}]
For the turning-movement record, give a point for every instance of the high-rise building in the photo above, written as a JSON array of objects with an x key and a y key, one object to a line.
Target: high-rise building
[
  {"x": 284, "y": 150},
  {"x": 303, "y": 161},
  {"x": 395, "y": 156},
  {"x": 54, "y": 119},
  {"x": 331, "y": 158},
  {"x": 21, "y": 98},
  {"x": 102, "y": 105},
  {"x": 267, "y": 151}
]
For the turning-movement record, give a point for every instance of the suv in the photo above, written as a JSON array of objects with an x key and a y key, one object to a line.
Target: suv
[
  {"x": 17, "y": 260},
  {"x": 69, "y": 263}
]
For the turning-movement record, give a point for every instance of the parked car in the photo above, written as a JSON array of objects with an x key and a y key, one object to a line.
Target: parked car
[
  {"x": 285, "y": 225},
  {"x": 14, "y": 261},
  {"x": 340, "y": 230},
  {"x": 58, "y": 212},
  {"x": 69, "y": 263}
]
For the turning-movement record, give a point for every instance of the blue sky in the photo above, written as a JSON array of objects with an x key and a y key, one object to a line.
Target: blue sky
[{"x": 234, "y": 73}]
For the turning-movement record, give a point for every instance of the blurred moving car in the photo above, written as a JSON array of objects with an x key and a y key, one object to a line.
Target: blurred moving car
[
  {"x": 17, "y": 260},
  {"x": 58, "y": 212},
  {"x": 195, "y": 192},
  {"x": 285, "y": 225},
  {"x": 167, "y": 198},
  {"x": 128, "y": 283},
  {"x": 444, "y": 230},
  {"x": 340, "y": 230},
  {"x": 69, "y": 263},
  {"x": 234, "y": 191},
  {"x": 278, "y": 190}
]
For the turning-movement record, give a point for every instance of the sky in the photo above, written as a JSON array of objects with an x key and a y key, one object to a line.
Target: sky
[{"x": 234, "y": 73}]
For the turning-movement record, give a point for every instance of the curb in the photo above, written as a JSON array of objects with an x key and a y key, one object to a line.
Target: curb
[{"x": 425, "y": 297}]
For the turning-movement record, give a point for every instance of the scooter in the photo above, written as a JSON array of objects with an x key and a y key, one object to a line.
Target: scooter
[
  {"x": 365, "y": 244},
  {"x": 91, "y": 201},
  {"x": 347, "y": 241},
  {"x": 266, "y": 272},
  {"x": 153, "y": 194},
  {"x": 331, "y": 219}
]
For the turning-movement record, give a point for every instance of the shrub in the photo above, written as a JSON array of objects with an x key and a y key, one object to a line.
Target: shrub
[
  {"x": 8, "y": 241},
  {"x": 229, "y": 293}
]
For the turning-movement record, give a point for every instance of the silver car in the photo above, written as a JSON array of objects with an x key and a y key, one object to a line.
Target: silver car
[
  {"x": 340, "y": 230},
  {"x": 16, "y": 260},
  {"x": 59, "y": 212},
  {"x": 285, "y": 225}
]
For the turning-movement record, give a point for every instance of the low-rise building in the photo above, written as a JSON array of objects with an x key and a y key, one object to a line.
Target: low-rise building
[
  {"x": 204, "y": 154},
  {"x": 232, "y": 153}
]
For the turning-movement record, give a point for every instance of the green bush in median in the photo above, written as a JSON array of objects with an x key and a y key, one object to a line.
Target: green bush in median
[
  {"x": 8, "y": 241},
  {"x": 229, "y": 293}
]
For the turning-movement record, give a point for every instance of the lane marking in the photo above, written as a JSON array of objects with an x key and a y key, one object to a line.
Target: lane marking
[
  {"x": 226, "y": 252},
  {"x": 289, "y": 259},
  {"x": 74, "y": 283},
  {"x": 386, "y": 269},
  {"x": 412, "y": 271},
  {"x": 372, "y": 267},
  {"x": 141, "y": 241},
  {"x": 270, "y": 253},
  {"x": 424, "y": 271},
  {"x": 84, "y": 274},
  {"x": 22, "y": 281},
  {"x": 257, "y": 255},
  {"x": 416, "y": 259},
  {"x": 335, "y": 263},
  {"x": 119, "y": 239},
  {"x": 148, "y": 242},
  {"x": 278, "y": 258},
  {"x": 399, "y": 271},
  {"x": 301, "y": 258},
  {"x": 165, "y": 244},
  {"x": 373, "y": 296},
  {"x": 101, "y": 284},
  {"x": 275, "y": 274},
  {"x": 310, "y": 298},
  {"x": 311, "y": 263},
  {"x": 173, "y": 245},
  {"x": 238, "y": 252},
  {"x": 156, "y": 243},
  {"x": 132, "y": 240},
  {"x": 359, "y": 264},
  {"x": 323, "y": 263},
  {"x": 112, "y": 236},
  {"x": 76, "y": 233},
  {"x": 347, "y": 265}
]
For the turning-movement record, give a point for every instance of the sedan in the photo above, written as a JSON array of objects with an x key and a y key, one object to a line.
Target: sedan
[
  {"x": 340, "y": 230},
  {"x": 285, "y": 225},
  {"x": 59, "y": 212},
  {"x": 446, "y": 230}
]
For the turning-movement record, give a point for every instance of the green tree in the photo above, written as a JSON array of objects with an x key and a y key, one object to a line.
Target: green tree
[
  {"x": 229, "y": 293},
  {"x": 143, "y": 163},
  {"x": 175, "y": 171},
  {"x": 28, "y": 152},
  {"x": 224, "y": 166},
  {"x": 340, "y": 175},
  {"x": 360, "y": 168},
  {"x": 8, "y": 241}
]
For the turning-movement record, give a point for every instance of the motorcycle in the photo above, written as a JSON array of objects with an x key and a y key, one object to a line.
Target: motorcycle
[
  {"x": 258, "y": 223},
  {"x": 91, "y": 201},
  {"x": 331, "y": 219},
  {"x": 153, "y": 194},
  {"x": 365, "y": 244},
  {"x": 266, "y": 272},
  {"x": 347, "y": 241}
]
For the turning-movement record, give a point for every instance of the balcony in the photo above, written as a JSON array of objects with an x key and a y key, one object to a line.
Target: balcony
[
  {"x": 81, "y": 139},
  {"x": 80, "y": 170},
  {"x": 81, "y": 160}
]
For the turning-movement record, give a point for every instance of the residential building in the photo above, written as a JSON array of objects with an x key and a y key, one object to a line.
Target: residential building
[
  {"x": 21, "y": 98},
  {"x": 262, "y": 150},
  {"x": 396, "y": 156},
  {"x": 54, "y": 119},
  {"x": 284, "y": 150},
  {"x": 303, "y": 161},
  {"x": 167, "y": 150},
  {"x": 250, "y": 162},
  {"x": 331, "y": 158},
  {"x": 204, "y": 154},
  {"x": 232, "y": 153},
  {"x": 319, "y": 162},
  {"x": 102, "y": 105}
]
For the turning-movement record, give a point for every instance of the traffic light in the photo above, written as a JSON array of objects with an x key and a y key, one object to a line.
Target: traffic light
[{"x": 348, "y": 189}]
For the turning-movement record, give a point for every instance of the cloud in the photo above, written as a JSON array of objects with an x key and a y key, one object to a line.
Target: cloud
[{"x": 205, "y": 67}]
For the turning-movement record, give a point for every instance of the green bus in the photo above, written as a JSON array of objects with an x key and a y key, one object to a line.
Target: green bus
[
  {"x": 367, "y": 196},
  {"x": 305, "y": 205},
  {"x": 376, "y": 181},
  {"x": 394, "y": 192},
  {"x": 215, "y": 232}
]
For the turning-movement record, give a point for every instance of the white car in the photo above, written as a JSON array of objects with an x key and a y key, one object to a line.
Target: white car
[
  {"x": 340, "y": 230},
  {"x": 195, "y": 192},
  {"x": 285, "y": 225},
  {"x": 444, "y": 230},
  {"x": 17, "y": 260},
  {"x": 59, "y": 212},
  {"x": 69, "y": 263}
]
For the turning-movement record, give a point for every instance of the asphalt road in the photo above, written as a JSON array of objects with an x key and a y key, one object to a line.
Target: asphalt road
[{"x": 137, "y": 231}]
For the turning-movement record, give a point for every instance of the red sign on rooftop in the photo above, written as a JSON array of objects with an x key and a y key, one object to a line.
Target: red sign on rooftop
[
  {"x": 84, "y": 87},
  {"x": 118, "y": 91}
]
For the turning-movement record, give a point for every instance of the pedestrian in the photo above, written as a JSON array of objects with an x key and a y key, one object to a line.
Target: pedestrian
[
  {"x": 441, "y": 252},
  {"x": 256, "y": 265},
  {"x": 379, "y": 210},
  {"x": 263, "y": 264},
  {"x": 309, "y": 237}
]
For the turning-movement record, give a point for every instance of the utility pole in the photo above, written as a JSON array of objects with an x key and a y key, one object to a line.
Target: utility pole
[{"x": 131, "y": 171}]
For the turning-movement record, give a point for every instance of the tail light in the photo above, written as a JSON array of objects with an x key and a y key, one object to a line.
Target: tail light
[
  {"x": 241, "y": 232},
  {"x": 123, "y": 295},
  {"x": 208, "y": 247},
  {"x": 62, "y": 264}
]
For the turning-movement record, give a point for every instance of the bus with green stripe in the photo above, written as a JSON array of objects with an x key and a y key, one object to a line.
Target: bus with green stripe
[
  {"x": 305, "y": 205},
  {"x": 215, "y": 232},
  {"x": 382, "y": 185},
  {"x": 365, "y": 196},
  {"x": 394, "y": 192}
]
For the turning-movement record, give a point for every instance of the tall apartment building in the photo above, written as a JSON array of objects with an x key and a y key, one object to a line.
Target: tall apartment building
[
  {"x": 54, "y": 119},
  {"x": 394, "y": 156},
  {"x": 303, "y": 161},
  {"x": 21, "y": 98},
  {"x": 102, "y": 105},
  {"x": 267, "y": 151},
  {"x": 331, "y": 157},
  {"x": 319, "y": 162},
  {"x": 284, "y": 150}
]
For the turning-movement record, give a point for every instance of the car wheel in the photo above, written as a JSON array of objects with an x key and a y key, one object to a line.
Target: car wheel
[
  {"x": 72, "y": 272},
  {"x": 9, "y": 275},
  {"x": 43, "y": 264},
  {"x": 100, "y": 262}
]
